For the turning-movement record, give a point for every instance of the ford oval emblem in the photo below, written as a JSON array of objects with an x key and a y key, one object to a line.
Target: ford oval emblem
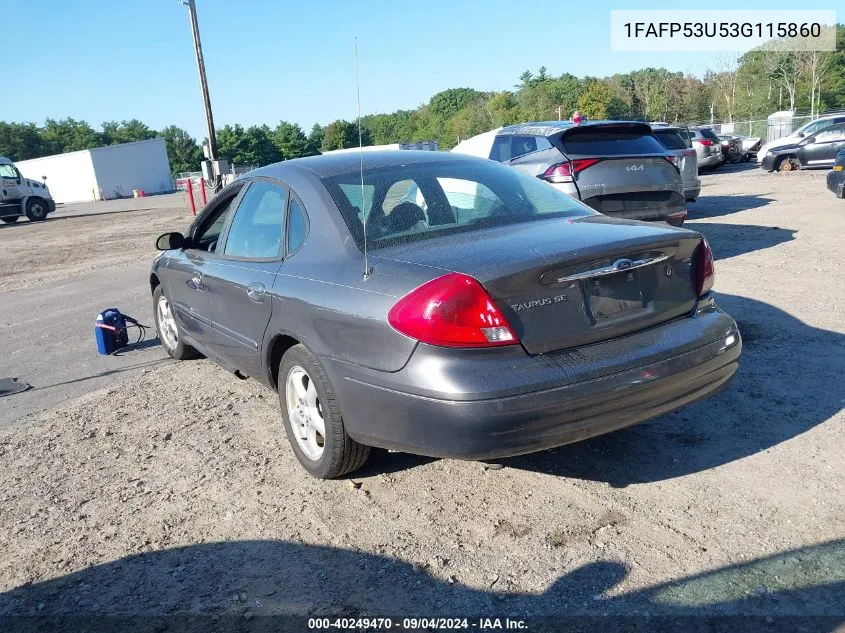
[{"x": 622, "y": 264}]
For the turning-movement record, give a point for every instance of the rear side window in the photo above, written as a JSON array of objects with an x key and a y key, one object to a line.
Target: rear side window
[
  {"x": 297, "y": 226},
  {"x": 508, "y": 147},
  {"x": 707, "y": 133},
  {"x": 670, "y": 140},
  {"x": 610, "y": 142}
]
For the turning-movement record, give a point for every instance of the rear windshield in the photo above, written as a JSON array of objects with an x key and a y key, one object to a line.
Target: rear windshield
[
  {"x": 707, "y": 133},
  {"x": 610, "y": 141},
  {"x": 670, "y": 139},
  {"x": 419, "y": 201}
]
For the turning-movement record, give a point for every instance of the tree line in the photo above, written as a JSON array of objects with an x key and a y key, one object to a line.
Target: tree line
[{"x": 734, "y": 88}]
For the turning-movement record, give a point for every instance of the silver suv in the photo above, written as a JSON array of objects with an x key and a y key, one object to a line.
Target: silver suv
[
  {"x": 616, "y": 167},
  {"x": 708, "y": 147},
  {"x": 676, "y": 139}
]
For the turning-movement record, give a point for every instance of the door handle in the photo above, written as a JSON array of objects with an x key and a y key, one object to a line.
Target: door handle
[{"x": 256, "y": 291}]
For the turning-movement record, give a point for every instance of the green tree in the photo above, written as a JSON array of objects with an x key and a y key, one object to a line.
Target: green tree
[
  {"x": 596, "y": 102},
  {"x": 341, "y": 134},
  {"x": 250, "y": 146},
  {"x": 20, "y": 141},
  {"x": 448, "y": 103},
  {"x": 68, "y": 135},
  {"x": 290, "y": 140},
  {"x": 126, "y": 132},
  {"x": 182, "y": 150},
  {"x": 315, "y": 139}
]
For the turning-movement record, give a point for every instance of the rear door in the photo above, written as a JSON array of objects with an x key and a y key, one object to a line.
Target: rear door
[
  {"x": 823, "y": 148},
  {"x": 240, "y": 280}
]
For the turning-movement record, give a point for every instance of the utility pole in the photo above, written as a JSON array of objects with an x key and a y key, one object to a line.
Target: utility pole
[
  {"x": 209, "y": 119},
  {"x": 558, "y": 112}
]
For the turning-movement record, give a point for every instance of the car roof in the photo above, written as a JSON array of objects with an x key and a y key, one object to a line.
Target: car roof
[
  {"x": 326, "y": 165},
  {"x": 666, "y": 128},
  {"x": 547, "y": 128}
]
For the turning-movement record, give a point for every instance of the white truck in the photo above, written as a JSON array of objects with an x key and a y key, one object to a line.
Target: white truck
[{"x": 21, "y": 196}]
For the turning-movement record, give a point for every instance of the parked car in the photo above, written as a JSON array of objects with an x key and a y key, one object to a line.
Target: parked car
[
  {"x": 817, "y": 150},
  {"x": 616, "y": 167},
  {"x": 750, "y": 146},
  {"x": 731, "y": 148},
  {"x": 708, "y": 148},
  {"x": 21, "y": 196},
  {"x": 677, "y": 141},
  {"x": 808, "y": 129},
  {"x": 519, "y": 321},
  {"x": 836, "y": 176}
]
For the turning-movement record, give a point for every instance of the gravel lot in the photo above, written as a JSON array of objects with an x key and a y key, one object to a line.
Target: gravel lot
[{"x": 173, "y": 490}]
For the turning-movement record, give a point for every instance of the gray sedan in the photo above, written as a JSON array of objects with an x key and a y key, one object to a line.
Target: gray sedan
[{"x": 484, "y": 315}]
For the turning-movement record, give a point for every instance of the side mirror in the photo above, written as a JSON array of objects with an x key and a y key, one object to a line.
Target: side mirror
[
  {"x": 808, "y": 140},
  {"x": 800, "y": 133},
  {"x": 170, "y": 241}
]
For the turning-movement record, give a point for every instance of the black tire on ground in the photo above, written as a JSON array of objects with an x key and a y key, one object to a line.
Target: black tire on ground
[
  {"x": 10, "y": 219},
  {"x": 341, "y": 454},
  {"x": 36, "y": 209},
  {"x": 181, "y": 351}
]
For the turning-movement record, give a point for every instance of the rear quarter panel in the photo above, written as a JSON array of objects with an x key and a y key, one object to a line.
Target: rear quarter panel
[{"x": 322, "y": 298}]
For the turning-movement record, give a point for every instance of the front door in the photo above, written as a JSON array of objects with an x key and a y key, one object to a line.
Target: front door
[
  {"x": 822, "y": 150},
  {"x": 240, "y": 280},
  {"x": 187, "y": 290}
]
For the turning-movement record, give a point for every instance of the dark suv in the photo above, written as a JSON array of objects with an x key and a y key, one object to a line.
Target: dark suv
[{"x": 616, "y": 167}]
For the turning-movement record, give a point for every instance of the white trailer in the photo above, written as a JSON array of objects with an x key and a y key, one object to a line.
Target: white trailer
[{"x": 104, "y": 173}]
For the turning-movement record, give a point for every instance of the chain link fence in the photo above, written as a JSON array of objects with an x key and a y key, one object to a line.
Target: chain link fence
[
  {"x": 768, "y": 129},
  {"x": 182, "y": 178}
]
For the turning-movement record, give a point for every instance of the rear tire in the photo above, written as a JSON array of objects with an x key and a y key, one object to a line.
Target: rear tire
[
  {"x": 10, "y": 219},
  {"x": 36, "y": 210},
  {"x": 308, "y": 402},
  {"x": 168, "y": 330}
]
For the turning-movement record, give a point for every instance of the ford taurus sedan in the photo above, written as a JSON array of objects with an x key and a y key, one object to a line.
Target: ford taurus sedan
[{"x": 491, "y": 316}]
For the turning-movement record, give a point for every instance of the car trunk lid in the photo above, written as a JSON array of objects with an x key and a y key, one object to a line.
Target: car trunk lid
[{"x": 565, "y": 283}]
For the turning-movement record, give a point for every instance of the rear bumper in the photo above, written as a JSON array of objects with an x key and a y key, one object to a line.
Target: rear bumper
[
  {"x": 836, "y": 182},
  {"x": 713, "y": 160},
  {"x": 482, "y": 404},
  {"x": 692, "y": 192}
]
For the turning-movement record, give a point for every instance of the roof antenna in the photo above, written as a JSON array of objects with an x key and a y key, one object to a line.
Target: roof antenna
[{"x": 361, "y": 156}]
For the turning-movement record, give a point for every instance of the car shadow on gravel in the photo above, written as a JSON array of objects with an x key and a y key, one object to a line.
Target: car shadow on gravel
[
  {"x": 789, "y": 380},
  {"x": 707, "y": 206},
  {"x": 730, "y": 240},
  {"x": 271, "y": 585}
]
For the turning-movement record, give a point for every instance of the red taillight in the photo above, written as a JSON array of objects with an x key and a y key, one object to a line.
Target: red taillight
[
  {"x": 451, "y": 311},
  {"x": 563, "y": 172},
  {"x": 705, "y": 273},
  {"x": 706, "y": 142},
  {"x": 673, "y": 160}
]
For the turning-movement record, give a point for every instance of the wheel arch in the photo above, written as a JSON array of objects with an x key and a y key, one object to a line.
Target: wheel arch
[{"x": 278, "y": 344}]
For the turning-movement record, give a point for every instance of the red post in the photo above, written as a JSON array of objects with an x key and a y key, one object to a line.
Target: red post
[
  {"x": 202, "y": 192},
  {"x": 191, "y": 196}
]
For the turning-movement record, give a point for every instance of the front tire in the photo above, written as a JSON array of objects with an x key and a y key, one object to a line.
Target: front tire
[
  {"x": 786, "y": 164},
  {"x": 313, "y": 420},
  {"x": 168, "y": 330},
  {"x": 36, "y": 210}
]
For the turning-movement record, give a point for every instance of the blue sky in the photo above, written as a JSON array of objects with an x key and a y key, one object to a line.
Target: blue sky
[{"x": 269, "y": 60}]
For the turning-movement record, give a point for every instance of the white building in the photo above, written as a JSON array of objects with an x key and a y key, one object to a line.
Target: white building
[{"x": 103, "y": 173}]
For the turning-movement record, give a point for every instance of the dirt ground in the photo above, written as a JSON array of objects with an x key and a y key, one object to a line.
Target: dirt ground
[{"x": 173, "y": 491}]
